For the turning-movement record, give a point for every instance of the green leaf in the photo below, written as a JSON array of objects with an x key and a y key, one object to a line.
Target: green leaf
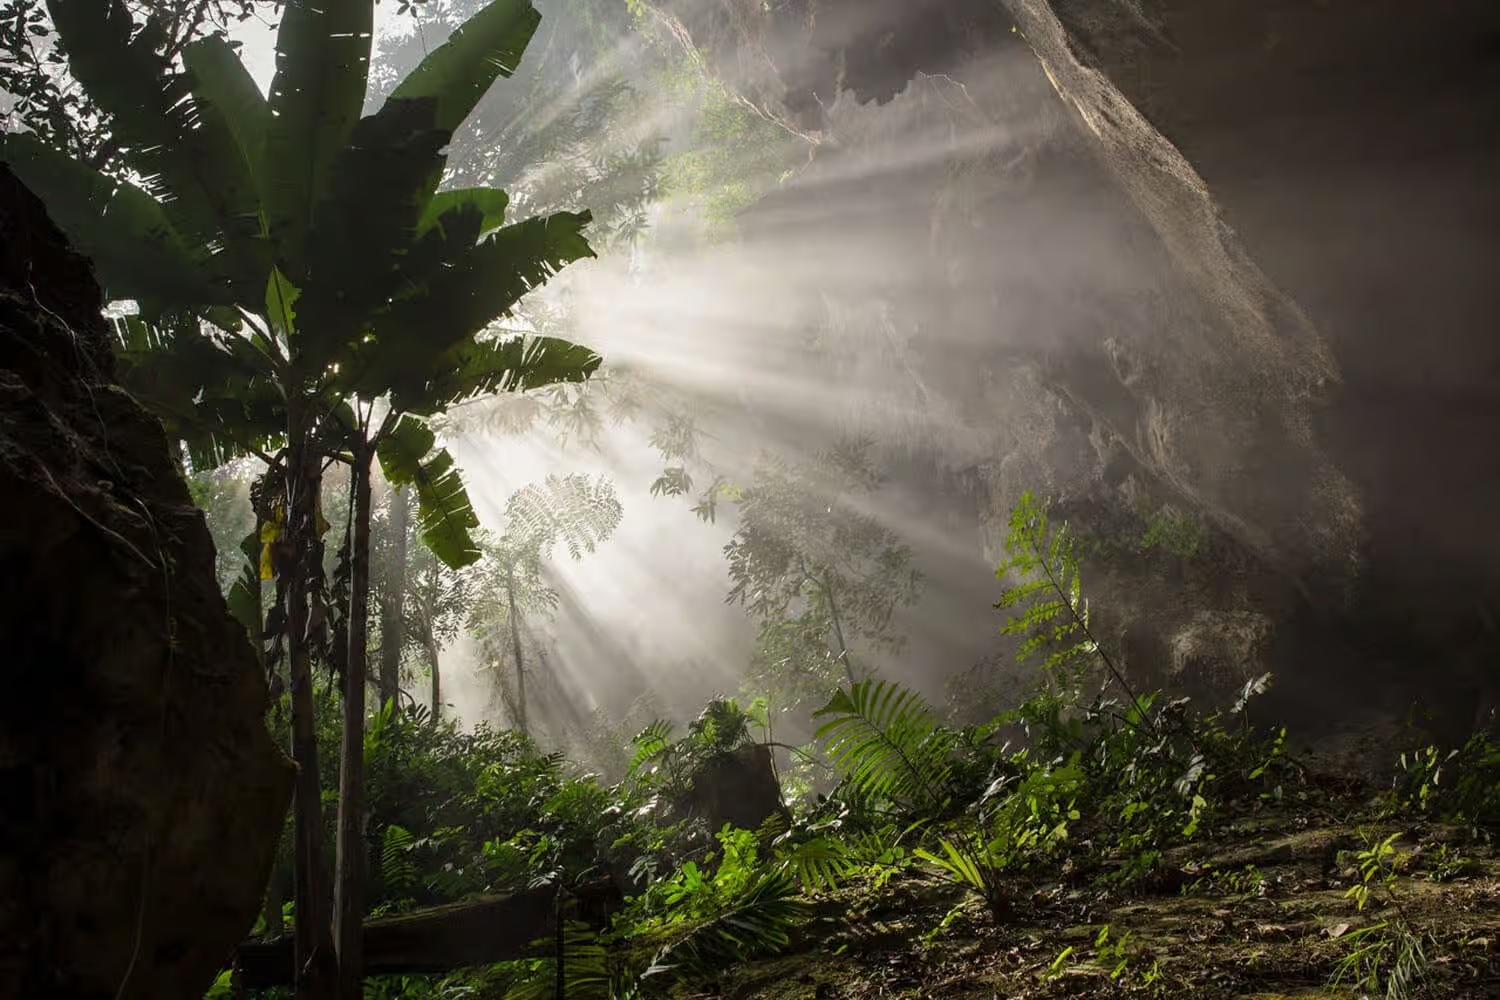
[
  {"x": 444, "y": 514},
  {"x": 137, "y": 253},
  {"x": 491, "y": 204},
  {"x": 412, "y": 339},
  {"x": 512, "y": 365},
  {"x": 182, "y": 149},
  {"x": 244, "y": 597},
  {"x": 458, "y": 73},
  {"x": 362, "y": 231},
  {"x": 216, "y": 395},
  {"x": 888, "y": 743},
  {"x": 322, "y": 67},
  {"x": 281, "y": 303}
]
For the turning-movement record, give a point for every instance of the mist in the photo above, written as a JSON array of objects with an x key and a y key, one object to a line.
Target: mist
[{"x": 933, "y": 251}]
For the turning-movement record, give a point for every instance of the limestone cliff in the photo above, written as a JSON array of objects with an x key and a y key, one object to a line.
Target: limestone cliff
[{"x": 140, "y": 794}]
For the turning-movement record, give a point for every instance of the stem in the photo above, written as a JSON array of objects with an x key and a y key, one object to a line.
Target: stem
[
  {"x": 838, "y": 629},
  {"x": 316, "y": 962},
  {"x": 515, "y": 638},
  {"x": 391, "y": 621},
  {"x": 1084, "y": 627},
  {"x": 348, "y": 902}
]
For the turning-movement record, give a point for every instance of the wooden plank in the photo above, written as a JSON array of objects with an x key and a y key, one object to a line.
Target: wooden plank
[{"x": 438, "y": 939}]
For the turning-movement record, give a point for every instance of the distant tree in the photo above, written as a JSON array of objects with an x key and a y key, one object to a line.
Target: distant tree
[
  {"x": 577, "y": 512},
  {"x": 816, "y": 570}
]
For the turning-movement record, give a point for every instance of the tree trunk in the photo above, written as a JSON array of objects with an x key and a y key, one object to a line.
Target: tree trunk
[
  {"x": 515, "y": 639},
  {"x": 316, "y": 962},
  {"x": 838, "y": 633},
  {"x": 348, "y": 907},
  {"x": 437, "y": 677},
  {"x": 393, "y": 605}
]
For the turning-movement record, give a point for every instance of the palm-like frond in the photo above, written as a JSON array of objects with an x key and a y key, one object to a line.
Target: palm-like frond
[
  {"x": 577, "y": 510},
  {"x": 478, "y": 368},
  {"x": 216, "y": 394},
  {"x": 585, "y": 970},
  {"x": 137, "y": 252},
  {"x": 454, "y": 303},
  {"x": 888, "y": 743},
  {"x": 757, "y": 922}
]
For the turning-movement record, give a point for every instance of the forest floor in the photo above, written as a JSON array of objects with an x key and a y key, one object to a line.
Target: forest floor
[{"x": 1259, "y": 912}]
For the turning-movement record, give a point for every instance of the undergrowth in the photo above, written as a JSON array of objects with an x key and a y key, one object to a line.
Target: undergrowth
[{"x": 1089, "y": 783}]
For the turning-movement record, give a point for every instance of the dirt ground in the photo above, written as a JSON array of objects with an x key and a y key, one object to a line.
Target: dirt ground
[{"x": 1259, "y": 912}]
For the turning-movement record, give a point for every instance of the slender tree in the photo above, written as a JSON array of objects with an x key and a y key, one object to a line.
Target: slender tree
[{"x": 575, "y": 511}]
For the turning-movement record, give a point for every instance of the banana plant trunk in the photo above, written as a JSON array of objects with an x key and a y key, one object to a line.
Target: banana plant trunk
[
  {"x": 392, "y": 608},
  {"x": 316, "y": 961},
  {"x": 348, "y": 889},
  {"x": 515, "y": 638}
]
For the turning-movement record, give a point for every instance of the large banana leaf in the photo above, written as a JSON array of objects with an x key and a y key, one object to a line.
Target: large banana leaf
[
  {"x": 457, "y": 73},
  {"x": 412, "y": 339},
  {"x": 136, "y": 251},
  {"x": 362, "y": 231},
  {"x": 183, "y": 152},
  {"x": 491, "y": 204},
  {"x": 445, "y": 516},
  {"x": 232, "y": 119},
  {"x": 394, "y": 160},
  {"x": 322, "y": 67},
  {"x": 216, "y": 395},
  {"x": 513, "y": 365}
]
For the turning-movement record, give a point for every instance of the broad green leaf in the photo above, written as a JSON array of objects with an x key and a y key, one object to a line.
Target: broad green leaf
[
  {"x": 512, "y": 365},
  {"x": 281, "y": 303},
  {"x": 444, "y": 514},
  {"x": 137, "y": 253},
  {"x": 458, "y": 73},
  {"x": 244, "y": 597},
  {"x": 183, "y": 152},
  {"x": 322, "y": 67},
  {"x": 419, "y": 330},
  {"x": 490, "y": 202},
  {"x": 217, "y": 396},
  {"x": 221, "y": 85},
  {"x": 363, "y": 230}
]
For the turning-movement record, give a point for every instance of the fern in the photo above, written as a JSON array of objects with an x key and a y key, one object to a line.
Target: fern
[
  {"x": 757, "y": 922},
  {"x": 1048, "y": 609},
  {"x": 585, "y": 973},
  {"x": 653, "y": 741},
  {"x": 888, "y": 743},
  {"x": 399, "y": 872}
]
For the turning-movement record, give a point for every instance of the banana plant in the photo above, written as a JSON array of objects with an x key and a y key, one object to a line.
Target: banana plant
[{"x": 294, "y": 262}]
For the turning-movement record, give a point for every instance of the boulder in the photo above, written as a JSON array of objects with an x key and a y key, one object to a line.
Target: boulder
[{"x": 140, "y": 794}]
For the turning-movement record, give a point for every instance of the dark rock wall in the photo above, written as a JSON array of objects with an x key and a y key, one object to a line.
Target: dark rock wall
[
  {"x": 1352, "y": 148},
  {"x": 140, "y": 794}
]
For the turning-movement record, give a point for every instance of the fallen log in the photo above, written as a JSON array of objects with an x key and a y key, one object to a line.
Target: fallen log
[{"x": 438, "y": 939}]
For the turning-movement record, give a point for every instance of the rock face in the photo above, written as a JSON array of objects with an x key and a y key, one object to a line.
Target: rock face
[
  {"x": 1224, "y": 258},
  {"x": 140, "y": 794},
  {"x": 1350, "y": 148}
]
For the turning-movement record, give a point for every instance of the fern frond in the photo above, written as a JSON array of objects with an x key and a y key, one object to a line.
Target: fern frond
[
  {"x": 585, "y": 969},
  {"x": 888, "y": 743},
  {"x": 758, "y": 922},
  {"x": 652, "y": 742},
  {"x": 821, "y": 864},
  {"x": 397, "y": 869}
]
